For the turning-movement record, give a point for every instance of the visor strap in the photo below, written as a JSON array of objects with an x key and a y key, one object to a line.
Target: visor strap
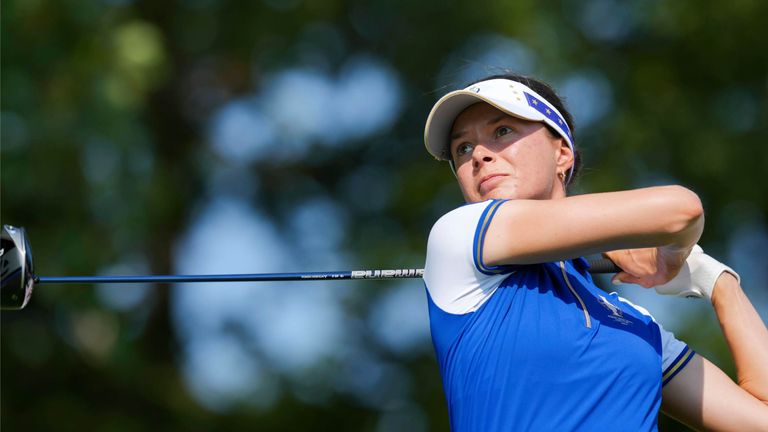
[{"x": 452, "y": 164}]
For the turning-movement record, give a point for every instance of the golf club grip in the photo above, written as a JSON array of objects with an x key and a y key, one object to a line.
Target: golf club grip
[{"x": 602, "y": 265}]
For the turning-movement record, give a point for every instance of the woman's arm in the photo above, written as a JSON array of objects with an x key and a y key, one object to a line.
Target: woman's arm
[
  {"x": 745, "y": 333},
  {"x": 534, "y": 231},
  {"x": 704, "y": 397}
]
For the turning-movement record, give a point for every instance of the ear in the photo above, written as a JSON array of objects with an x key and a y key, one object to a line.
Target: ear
[{"x": 564, "y": 157}]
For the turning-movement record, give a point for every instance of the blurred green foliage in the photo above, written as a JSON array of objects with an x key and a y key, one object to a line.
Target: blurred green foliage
[{"x": 105, "y": 115}]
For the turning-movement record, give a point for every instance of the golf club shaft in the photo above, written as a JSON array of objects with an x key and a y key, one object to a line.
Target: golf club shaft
[
  {"x": 596, "y": 266},
  {"x": 247, "y": 277}
]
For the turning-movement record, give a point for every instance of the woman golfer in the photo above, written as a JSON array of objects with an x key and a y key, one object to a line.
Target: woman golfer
[{"x": 523, "y": 337}]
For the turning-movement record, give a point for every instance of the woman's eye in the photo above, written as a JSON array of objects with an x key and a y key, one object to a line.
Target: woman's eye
[
  {"x": 463, "y": 149},
  {"x": 503, "y": 130}
]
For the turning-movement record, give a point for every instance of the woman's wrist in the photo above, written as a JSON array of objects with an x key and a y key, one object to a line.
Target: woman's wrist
[{"x": 725, "y": 286}]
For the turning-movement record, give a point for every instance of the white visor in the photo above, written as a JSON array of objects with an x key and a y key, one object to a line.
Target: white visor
[{"x": 512, "y": 97}]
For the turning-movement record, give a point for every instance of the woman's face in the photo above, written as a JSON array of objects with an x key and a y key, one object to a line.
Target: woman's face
[{"x": 503, "y": 157}]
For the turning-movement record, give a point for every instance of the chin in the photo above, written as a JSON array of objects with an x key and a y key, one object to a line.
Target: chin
[{"x": 500, "y": 194}]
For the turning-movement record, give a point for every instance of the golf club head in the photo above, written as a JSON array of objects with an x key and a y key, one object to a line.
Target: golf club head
[{"x": 16, "y": 268}]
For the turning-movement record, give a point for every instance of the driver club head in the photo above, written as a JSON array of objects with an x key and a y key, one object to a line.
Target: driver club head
[{"x": 16, "y": 268}]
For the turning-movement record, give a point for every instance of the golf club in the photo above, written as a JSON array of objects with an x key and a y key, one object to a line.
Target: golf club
[{"x": 18, "y": 277}]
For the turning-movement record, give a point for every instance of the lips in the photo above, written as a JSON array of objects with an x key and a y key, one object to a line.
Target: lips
[{"x": 489, "y": 181}]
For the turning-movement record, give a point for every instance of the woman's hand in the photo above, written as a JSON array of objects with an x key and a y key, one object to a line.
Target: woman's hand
[{"x": 647, "y": 267}]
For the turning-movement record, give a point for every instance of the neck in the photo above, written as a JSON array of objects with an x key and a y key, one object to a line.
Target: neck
[{"x": 558, "y": 190}]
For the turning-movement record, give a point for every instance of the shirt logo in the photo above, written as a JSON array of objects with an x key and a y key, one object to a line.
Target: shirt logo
[{"x": 616, "y": 313}]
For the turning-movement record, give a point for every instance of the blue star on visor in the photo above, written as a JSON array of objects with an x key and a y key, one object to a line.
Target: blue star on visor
[{"x": 551, "y": 114}]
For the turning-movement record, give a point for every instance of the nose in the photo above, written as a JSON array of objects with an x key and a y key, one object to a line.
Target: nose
[{"x": 482, "y": 154}]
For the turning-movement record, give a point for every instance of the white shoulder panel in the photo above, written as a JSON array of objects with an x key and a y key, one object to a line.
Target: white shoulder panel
[{"x": 453, "y": 272}]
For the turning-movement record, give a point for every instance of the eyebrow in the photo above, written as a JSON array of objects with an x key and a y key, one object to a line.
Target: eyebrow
[{"x": 492, "y": 121}]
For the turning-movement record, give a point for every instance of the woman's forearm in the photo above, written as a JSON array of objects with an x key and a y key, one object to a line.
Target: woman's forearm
[
  {"x": 533, "y": 231},
  {"x": 745, "y": 333}
]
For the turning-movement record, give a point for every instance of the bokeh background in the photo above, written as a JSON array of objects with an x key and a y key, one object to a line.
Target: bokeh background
[{"x": 213, "y": 136}]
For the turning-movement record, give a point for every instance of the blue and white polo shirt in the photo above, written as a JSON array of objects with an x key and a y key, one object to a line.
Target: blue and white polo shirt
[{"x": 538, "y": 347}]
